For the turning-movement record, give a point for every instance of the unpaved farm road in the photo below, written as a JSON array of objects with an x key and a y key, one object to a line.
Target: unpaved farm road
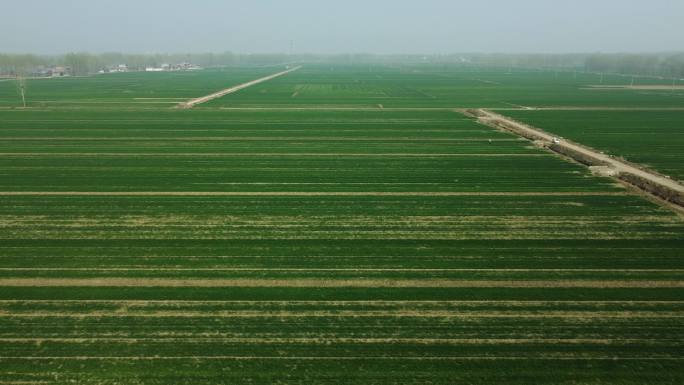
[
  {"x": 616, "y": 164},
  {"x": 193, "y": 102}
]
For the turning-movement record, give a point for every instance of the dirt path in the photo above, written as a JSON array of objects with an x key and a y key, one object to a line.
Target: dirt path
[
  {"x": 666, "y": 190},
  {"x": 619, "y": 166},
  {"x": 193, "y": 102}
]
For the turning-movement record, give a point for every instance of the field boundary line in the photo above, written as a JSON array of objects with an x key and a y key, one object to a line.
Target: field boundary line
[
  {"x": 336, "y": 283},
  {"x": 252, "y": 138},
  {"x": 379, "y": 302},
  {"x": 422, "y": 313},
  {"x": 586, "y": 108},
  {"x": 338, "y": 107},
  {"x": 351, "y": 269},
  {"x": 193, "y": 102},
  {"x": 253, "y": 154},
  {"x": 544, "y": 357},
  {"x": 311, "y": 193},
  {"x": 337, "y": 340}
]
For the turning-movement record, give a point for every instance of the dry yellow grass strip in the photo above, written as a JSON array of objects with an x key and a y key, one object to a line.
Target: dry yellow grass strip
[
  {"x": 545, "y": 357},
  {"x": 24, "y": 382},
  {"x": 311, "y": 193},
  {"x": 319, "y": 283},
  {"x": 272, "y": 154},
  {"x": 339, "y": 340},
  {"x": 351, "y": 269},
  {"x": 256, "y": 138},
  {"x": 647, "y": 87},
  {"x": 420, "y": 313},
  {"x": 334, "y": 108},
  {"x": 146, "y": 302}
]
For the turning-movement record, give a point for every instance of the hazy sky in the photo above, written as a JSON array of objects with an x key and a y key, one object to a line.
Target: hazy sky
[{"x": 323, "y": 26}]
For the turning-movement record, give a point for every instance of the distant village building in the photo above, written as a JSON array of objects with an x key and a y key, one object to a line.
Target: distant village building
[
  {"x": 115, "y": 69},
  {"x": 186, "y": 67},
  {"x": 58, "y": 72},
  {"x": 174, "y": 67},
  {"x": 165, "y": 67}
]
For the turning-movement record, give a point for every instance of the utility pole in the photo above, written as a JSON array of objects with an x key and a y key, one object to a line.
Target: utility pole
[{"x": 21, "y": 84}]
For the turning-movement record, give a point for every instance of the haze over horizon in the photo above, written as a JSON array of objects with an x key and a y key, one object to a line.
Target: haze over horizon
[{"x": 326, "y": 27}]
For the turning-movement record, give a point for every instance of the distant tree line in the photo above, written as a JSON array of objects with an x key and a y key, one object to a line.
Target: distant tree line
[
  {"x": 529, "y": 61},
  {"x": 661, "y": 65},
  {"x": 18, "y": 64},
  {"x": 79, "y": 64},
  {"x": 82, "y": 63},
  {"x": 669, "y": 66}
]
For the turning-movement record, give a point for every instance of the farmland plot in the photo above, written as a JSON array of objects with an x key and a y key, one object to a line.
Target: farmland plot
[
  {"x": 309, "y": 246},
  {"x": 549, "y": 89},
  {"x": 349, "y": 86},
  {"x": 448, "y": 87},
  {"x": 135, "y": 89}
]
